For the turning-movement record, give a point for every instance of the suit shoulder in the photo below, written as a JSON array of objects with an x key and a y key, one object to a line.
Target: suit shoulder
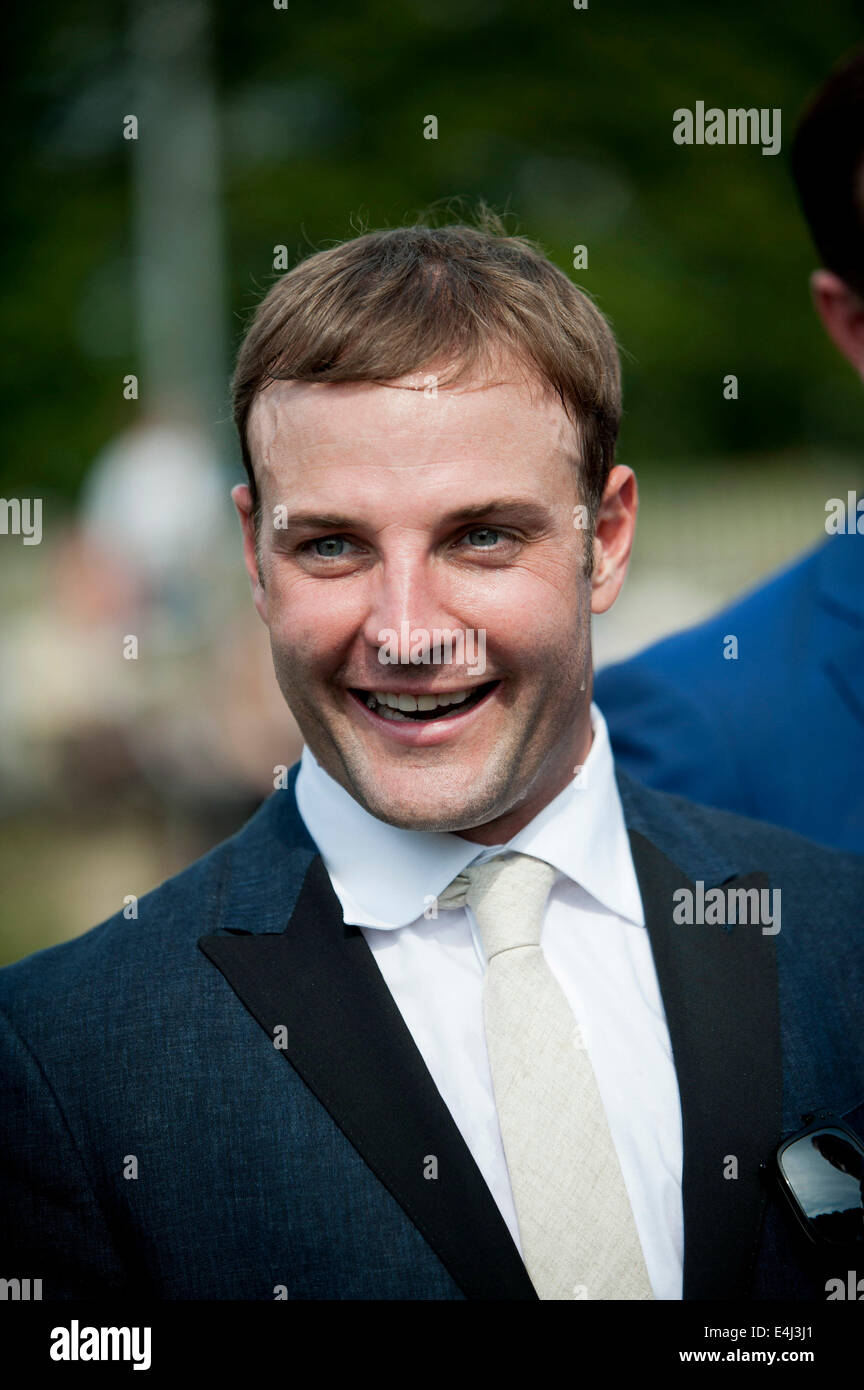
[
  {"x": 816, "y": 892},
  {"x": 694, "y": 834}
]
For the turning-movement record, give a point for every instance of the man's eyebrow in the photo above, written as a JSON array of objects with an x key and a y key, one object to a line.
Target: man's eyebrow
[
  {"x": 316, "y": 521},
  {"x": 522, "y": 509}
]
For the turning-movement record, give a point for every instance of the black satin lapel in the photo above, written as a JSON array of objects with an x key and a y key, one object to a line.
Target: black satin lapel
[
  {"x": 348, "y": 1041},
  {"x": 719, "y": 989}
]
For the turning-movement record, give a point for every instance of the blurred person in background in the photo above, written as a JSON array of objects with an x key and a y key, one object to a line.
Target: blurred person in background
[{"x": 760, "y": 710}]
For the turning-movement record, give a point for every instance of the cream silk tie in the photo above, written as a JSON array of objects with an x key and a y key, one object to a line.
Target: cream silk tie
[{"x": 576, "y": 1225}]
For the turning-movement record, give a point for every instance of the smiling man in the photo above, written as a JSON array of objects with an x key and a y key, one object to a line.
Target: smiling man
[
  {"x": 455, "y": 515},
  {"x": 431, "y": 1025}
]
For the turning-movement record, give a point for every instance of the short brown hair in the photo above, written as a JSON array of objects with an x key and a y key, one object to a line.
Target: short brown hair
[{"x": 389, "y": 302}]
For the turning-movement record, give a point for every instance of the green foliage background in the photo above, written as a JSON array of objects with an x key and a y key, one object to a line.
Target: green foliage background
[{"x": 561, "y": 117}]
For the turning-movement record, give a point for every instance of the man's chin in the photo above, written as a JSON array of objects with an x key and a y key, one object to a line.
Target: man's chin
[{"x": 453, "y": 813}]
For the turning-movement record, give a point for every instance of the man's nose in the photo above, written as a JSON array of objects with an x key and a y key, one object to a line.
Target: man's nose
[{"x": 404, "y": 596}]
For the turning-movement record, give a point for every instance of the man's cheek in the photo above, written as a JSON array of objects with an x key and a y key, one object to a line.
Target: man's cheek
[
  {"x": 298, "y": 617},
  {"x": 296, "y": 653},
  {"x": 305, "y": 652},
  {"x": 314, "y": 615}
]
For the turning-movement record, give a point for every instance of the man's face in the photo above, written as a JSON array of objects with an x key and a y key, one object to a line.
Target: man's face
[{"x": 402, "y": 512}]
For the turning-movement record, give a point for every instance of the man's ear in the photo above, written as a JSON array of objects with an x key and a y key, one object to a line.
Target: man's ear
[
  {"x": 841, "y": 310},
  {"x": 241, "y": 496},
  {"x": 613, "y": 537}
]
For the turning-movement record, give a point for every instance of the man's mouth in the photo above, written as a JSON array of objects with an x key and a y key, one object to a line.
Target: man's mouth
[{"x": 444, "y": 704}]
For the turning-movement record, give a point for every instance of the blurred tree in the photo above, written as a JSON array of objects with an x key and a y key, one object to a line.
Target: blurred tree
[{"x": 563, "y": 117}]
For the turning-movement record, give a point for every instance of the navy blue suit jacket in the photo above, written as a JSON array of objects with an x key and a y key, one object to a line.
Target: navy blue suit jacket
[
  {"x": 777, "y": 734},
  {"x": 148, "y": 1046}
]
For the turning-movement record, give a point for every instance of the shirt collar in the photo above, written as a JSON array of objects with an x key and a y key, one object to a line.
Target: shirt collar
[{"x": 386, "y": 877}]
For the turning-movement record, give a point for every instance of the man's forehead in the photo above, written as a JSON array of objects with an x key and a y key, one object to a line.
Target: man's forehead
[{"x": 292, "y": 418}]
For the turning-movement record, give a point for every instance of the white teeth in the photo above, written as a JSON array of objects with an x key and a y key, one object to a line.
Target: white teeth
[{"x": 396, "y": 706}]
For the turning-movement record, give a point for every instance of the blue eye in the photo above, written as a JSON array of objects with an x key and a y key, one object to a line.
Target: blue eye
[
  {"x": 488, "y": 537},
  {"x": 328, "y": 547}
]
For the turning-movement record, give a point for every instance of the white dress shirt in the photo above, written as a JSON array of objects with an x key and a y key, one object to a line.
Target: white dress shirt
[{"x": 595, "y": 942}]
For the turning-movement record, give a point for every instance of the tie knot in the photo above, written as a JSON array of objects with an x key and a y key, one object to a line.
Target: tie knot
[{"x": 507, "y": 895}]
